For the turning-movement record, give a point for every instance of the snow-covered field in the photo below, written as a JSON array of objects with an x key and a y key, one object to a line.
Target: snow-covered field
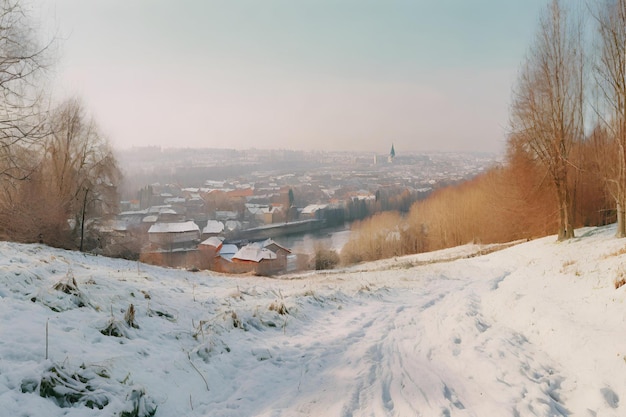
[{"x": 537, "y": 329}]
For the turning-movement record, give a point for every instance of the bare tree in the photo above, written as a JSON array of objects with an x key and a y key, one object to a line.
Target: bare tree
[
  {"x": 548, "y": 103},
  {"x": 22, "y": 121},
  {"x": 610, "y": 72},
  {"x": 22, "y": 60},
  {"x": 79, "y": 168}
]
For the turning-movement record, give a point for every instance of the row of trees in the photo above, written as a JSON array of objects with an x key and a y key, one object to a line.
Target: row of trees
[
  {"x": 566, "y": 153},
  {"x": 549, "y": 103},
  {"x": 56, "y": 169}
]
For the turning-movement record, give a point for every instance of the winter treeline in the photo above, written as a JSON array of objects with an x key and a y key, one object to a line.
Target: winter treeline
[
  {"x": 57, "y": 171},
  {"x": 565, "y": 163}
]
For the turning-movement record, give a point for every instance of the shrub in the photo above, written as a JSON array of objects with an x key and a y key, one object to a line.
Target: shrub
[
  {"x": 325, "y": 259},
  {"x": 384, "y": 235}
]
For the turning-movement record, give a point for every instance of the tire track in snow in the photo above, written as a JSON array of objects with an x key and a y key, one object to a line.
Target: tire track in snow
[
  {"x": 426, "y": 351},
  {"x": 417, "y": 366}
]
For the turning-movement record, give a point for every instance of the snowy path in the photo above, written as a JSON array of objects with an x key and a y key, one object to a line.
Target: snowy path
[{"x": 423, "y": 350}]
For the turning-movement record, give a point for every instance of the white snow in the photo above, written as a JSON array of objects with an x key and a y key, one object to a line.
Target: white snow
[
  {"x": 214, "y": 241},
  {"x": 254, "y": 253},
  {"x": 213, "y": 226},
  {"x": 537, "y": 329},
  {"x": 180, "y": 227}
]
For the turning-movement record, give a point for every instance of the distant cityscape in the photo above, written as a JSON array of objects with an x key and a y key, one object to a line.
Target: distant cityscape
[
  {"x": 205, "y": 168},
  {"x": 185, "y": 207}
]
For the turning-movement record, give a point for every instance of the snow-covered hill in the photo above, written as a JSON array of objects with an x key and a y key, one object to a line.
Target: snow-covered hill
[{"x": 537, "y": 329}]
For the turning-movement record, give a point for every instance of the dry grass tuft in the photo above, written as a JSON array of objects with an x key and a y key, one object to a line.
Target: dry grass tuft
[
  {"x": 279, "y": 307},
  {"x": 566, "y": 265},
  {"x": 129, "y": 317},
  {"x": 620, "y": 279},
  {"x": 236, "y": 320},
  {"x": 68, "y": 286}
]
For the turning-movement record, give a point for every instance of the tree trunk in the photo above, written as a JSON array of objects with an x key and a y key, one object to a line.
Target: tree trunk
[
  {"x": 621, "y": 190},
  {"x": 621, "y": 224},
  {"x": 566, "y": 230},
  {"x": 569, "y": 229},
  {"x": 82, "y": 223}
]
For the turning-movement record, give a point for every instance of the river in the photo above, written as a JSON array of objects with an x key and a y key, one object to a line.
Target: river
[{"x": 328, "y": 238}]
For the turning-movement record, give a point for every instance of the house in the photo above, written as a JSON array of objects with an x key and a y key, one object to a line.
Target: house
[
  {"x": 254, "y": 253},
  {"x": 263, "y": 214},
  {"x": 132, "y": 217},
  {"x": 147, "y": 222},
  {"x": 257, "y": 259},
  {"x": 173, "y": 245},
  {"x": 242, "y": 192},
  {"x": 214, "y": 242},
  {"x": 174, "y": 236},
  {"x": 275, "y": 247},
  {"x": 168, "y": 215},
  {"x": 232, "y": 226},
  {"x": 212, "y": 228},
  {"x": 209, "y": 252},
  {"x": 224, "y": 258},
  {"x": 150, "y": 219},
  {"x": 227, "y": 251},
  {"x": 224, "y": 215},
  {"x": 285, "y": 260},
  {"x": 313, "y": 211}
]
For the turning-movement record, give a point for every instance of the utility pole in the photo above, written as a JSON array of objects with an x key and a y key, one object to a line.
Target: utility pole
[{"x": 82, "y": 223}]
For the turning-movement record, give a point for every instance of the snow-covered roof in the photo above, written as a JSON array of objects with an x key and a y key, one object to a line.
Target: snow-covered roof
[
  {"x": 212, "y": 241},
  {"x": 254, "y": 253},
  {"x": 133, "y": 213},
  {"x": 270, "y": 242},
  {"x": 174, "y": 227},
  {"x": 175, "y": 200},
  {"x": 258, "y": 209},
  {"x": 157, "y": 209},
  {"x": 213, "y": 226},
  {"x": 312, "y": 208},
  {"x": 233, "y": 225},
  {"x": 150, "y": 219},
  {"x": 229, "y": 248},
  {"x": 214, "y": 184},
  {"x": 226, "y": 215}
]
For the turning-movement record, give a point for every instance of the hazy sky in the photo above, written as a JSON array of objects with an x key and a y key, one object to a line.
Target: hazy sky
[{"x": 297, "y": 74}]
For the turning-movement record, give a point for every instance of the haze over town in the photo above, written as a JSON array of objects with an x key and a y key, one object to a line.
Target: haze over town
[{"x": 324, "y": 75}]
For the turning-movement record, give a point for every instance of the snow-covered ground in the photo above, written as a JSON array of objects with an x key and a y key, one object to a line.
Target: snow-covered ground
[{"x": 537, "y": 329}]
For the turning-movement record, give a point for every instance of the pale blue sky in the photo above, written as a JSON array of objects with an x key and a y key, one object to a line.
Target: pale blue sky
[{"x": 299, "y": 74}]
